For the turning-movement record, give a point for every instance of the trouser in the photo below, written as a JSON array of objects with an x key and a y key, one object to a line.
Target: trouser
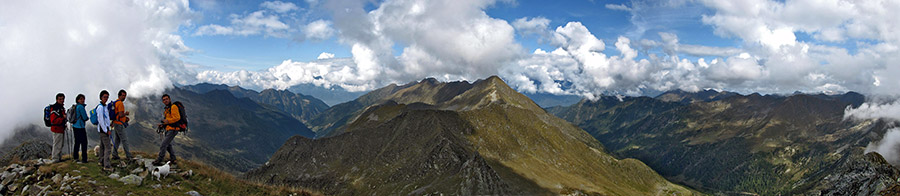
[
  {"x": 56, "y": 153},
  {"x": 166, "y": 146},
  {"x": 80, "y": 142},
  {"x": 105, "y": 150},
  {"x": 121, "y": 139}
]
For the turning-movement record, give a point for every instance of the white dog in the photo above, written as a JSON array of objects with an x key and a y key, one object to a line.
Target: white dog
[
  {"x": 97, "y": 150},
  {"x": 161, "y": 171}
]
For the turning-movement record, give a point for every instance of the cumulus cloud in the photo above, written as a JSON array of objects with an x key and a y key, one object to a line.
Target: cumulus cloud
[
  {"x": 84, "y": 47},
  {"x": 449, "y": 40},
  {"x": 265, "y": 22},
  {"x": 325, "y": 55},
  {"x": 318, "y": 30},
  {"x": 537, "y": 26},
  {"x": 279, "y": 6}
]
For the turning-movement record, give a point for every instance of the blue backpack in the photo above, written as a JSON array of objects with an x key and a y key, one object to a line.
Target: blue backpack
[
  {"x": 47, "y": 111},
  {"x": 94, "y": 119},
  {"x": 112, "y": 111}
]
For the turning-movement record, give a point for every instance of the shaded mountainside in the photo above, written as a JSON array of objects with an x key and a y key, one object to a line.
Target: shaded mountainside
[
  {"x": 736, "y": 143},
  {"x": 455, "y": 138},
  {"x": 300, "y": 106},
  {"x": 233, "y": 134}
]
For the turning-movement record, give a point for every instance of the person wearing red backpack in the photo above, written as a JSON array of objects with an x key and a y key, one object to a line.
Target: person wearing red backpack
[
  {"x": 120, "y": 122},
  {"x": 170, "y": 121},
  {"x": 58, "y": 126}
]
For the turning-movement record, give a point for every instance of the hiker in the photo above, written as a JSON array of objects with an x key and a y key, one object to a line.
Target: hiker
[
  {"x": 172, "y": 123},
  {"x": 120, "y": 122},
  {"x": 103, "y": 123},
  {"x": 78, "y": 129},
  {"x": 58, "y": 126}
]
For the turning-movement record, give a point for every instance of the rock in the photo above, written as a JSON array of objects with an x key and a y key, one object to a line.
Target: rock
[
  {"x": 862, "y": 175},
  {"x": 114, "y": 176},
  {"x": 156, "y": 186},
  {"x": 8, "y": 177},
  {"x": 131, "y": 179},
  {"x": 57, "y": 178},
  {"x": 137, "y": 170},
  {"x": 193, "y": 193},
  {"x": 66, "y": 188},
  {"x": 43, "y": 161},
  {"x": 28, "y": 150},
  {"x": 76, "y": 171},
  {"x": 27, "y": 171},
  {"x": 92, "y": 181}
]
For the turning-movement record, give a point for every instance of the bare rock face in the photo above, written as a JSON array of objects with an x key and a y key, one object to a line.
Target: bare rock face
[
  {"x": 32, "y": 149},
  {"x": 869, "y": 174}
]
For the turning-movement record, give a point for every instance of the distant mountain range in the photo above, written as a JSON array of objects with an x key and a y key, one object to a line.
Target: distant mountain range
[
  {"x": 730, "y": 143},
  {"x": 454, "y": 138},
  {"x": 302, "y": 107}
]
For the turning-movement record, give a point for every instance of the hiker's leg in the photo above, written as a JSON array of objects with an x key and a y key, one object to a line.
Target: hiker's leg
[
  {"x": 80, "y": 142},
  {"x": 117, "y": 140},
  {"x": 124, "y": 140},
  {"x": 165, "y": 145},
  {"x": 105, "y": 149},
  {"x": 170, "y": 148},
  {"x": 75, "y": 149},
  {"x": 56, "y": 152}
]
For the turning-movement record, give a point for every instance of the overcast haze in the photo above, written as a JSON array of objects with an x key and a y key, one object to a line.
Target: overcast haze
[{"x": 586, "y": 48}]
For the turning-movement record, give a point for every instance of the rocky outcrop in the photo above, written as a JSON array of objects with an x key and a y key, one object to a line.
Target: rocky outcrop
[
  {"x": 869, "y": 174},
  {"x": 32, "y": 149}
]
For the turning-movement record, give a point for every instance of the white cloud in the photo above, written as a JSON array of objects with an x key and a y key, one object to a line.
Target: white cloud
[
  {"x": 84, "y": 47},
  {"x": 622, "y": 7},
  {"x": 279, "y": 6},
  {"x": 318, "y": 30},
  {"x": 261, "y": 22},
  {"x": 537, "y": 25},
  {"x": 325, "y": 55}
]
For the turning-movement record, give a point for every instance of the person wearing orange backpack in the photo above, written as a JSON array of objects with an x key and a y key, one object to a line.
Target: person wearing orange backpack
[
  {"x": 119, "y": 123},
  {"x": 171, "y": 122}
]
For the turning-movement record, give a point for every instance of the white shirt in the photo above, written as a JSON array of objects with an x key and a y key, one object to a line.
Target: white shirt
[{"x": 102, "y": 118}]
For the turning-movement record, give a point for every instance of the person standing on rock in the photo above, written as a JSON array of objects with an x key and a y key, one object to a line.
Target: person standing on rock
[
  {"x": 78, "y": 129},
  {"x": 170, "y": 121},
  {"x": 104, "y": 130},
  {"x": 58, "y": 126},
  {"x": 120, "y": 122}
]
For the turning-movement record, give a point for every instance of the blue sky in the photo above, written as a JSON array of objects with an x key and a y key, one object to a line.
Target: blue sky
[{"x": 256, "y": 52}]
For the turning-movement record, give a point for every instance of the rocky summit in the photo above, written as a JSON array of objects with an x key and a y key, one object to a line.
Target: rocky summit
[
  {"x": 44, "y": 177},
  {"x": 454, "y": 138}
]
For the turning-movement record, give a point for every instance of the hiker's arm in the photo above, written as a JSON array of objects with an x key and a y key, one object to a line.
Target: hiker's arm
[
  {"x": 174, "y": 115},
  {"x": 82, "y": 113}
]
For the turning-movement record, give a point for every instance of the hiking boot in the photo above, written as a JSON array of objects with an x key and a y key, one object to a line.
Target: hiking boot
[
  {"x": 114, "y": 158},
  {"x": 173, "y": 162},
  {"x": 158, "y": 163}
]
